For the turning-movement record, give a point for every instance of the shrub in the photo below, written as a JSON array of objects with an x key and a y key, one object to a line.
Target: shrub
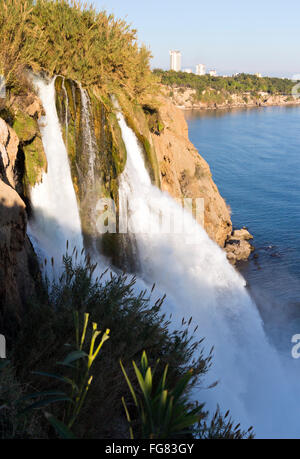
[
  {"x": 66, "y": 37},
  {"x": 162, "y": 412},
  {"x": 136, "y": 324}
]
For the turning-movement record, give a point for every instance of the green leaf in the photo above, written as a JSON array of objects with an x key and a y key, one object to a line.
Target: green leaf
[
  {"x": 187, "y": 422},
  {"x": 148, "y": 381},
  {"x": 40, "y": 394},
  {"x": 61, "y": 428},
  {"x": 162, "y": 383},
  {"x": 129, "y": 384},
  {"x": 181, "y": 385},
  {"x": 144, "y": 362},
  {"x": 58, "y": 377},
  {"x": 72, "y": 357},
  {"x": 128, "y": 418}
]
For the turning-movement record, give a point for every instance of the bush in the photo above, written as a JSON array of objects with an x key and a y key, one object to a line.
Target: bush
[
  {"x": 136, "y": 324},
  {"x": 68, "y": 38}
]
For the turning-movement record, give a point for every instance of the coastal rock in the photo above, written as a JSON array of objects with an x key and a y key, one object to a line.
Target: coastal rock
[
  {"x": 237, "y": 246},
  {"x": 185, "y": 174},
  {"x": 242, "y": 234}
]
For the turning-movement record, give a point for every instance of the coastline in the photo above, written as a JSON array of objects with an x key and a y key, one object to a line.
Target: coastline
[
  {"x": 186, "y": 99},
  {"x": 229, "y": 107}
]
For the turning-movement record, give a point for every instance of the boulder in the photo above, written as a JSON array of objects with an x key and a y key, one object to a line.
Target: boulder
[{"x": 237, "y": 246}]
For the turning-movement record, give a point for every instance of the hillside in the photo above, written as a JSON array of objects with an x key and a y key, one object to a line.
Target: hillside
[{"x": 190, "y": 91}]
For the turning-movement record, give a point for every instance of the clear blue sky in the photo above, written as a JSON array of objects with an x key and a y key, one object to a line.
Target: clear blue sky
[{"x": 228, "y": 35}]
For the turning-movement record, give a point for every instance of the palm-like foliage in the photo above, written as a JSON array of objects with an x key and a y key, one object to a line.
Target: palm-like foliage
[{"x": 163, "y": 412}]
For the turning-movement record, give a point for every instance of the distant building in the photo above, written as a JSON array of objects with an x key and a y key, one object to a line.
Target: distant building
[
  {"x": 200, "y": 69},
  {"x": 258, "y": 75},
  {"x": 188, "y": 70},
  {"x": 175, "y": 60},
  {"x": 213, "y": 73}
]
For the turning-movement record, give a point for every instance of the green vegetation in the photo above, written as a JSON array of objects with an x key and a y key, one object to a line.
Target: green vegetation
[
  {"x": 27, "y": 130},
  {"x": 222, "y": 87},
  {"x": 79, "y": 364},
  {"x": 65, "y": 37},
  {"x": 136, "y": 324},
  {"x": 163, "y": 413},
  {"x": 216, "y": 91}
]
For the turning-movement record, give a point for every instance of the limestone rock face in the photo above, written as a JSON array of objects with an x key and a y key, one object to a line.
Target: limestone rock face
[
  {"x": 16, "y": 253},
  {"x": 184, "y": 173}
]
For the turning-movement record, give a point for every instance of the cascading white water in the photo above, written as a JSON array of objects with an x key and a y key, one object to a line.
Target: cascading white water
[
  {"x": 56, "y": 217},
  {"x": 88, "y": 137},
  {"x": 200, "y": 282}
]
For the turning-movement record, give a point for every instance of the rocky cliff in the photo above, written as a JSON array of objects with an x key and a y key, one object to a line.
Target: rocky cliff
[{"x": 18, "y": 265}]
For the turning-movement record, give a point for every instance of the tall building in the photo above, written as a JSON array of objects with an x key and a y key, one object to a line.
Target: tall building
[
  {"x": 200, "y": 69},
  {"x": 175, "y": 60}
]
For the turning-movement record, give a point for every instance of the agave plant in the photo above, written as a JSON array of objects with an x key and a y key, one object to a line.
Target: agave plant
[{"x": 163, "y": 412}]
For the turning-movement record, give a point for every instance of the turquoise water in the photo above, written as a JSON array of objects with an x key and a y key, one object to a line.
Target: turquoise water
[{"x": 254, "y": 155}]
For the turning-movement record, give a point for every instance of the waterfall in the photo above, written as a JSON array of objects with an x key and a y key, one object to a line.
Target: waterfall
[
  {"x": 89, "y": 141},
  {"x": 67, "y": 110},
  {"x": 55, "y": 212},
  {"x": 200, "y": 282},
  {"x": 193, "y": 271}
]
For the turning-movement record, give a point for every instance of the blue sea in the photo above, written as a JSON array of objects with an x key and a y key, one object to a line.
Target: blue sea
[{"x": 254, "y": 155}]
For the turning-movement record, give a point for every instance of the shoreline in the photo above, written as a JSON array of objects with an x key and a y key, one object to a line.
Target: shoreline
[
  {"x": 186, "y": 99},
  {"x": 245, "y": 106}
]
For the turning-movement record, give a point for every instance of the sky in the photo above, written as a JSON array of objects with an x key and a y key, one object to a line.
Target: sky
[{"x": 227, "y": 35}]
